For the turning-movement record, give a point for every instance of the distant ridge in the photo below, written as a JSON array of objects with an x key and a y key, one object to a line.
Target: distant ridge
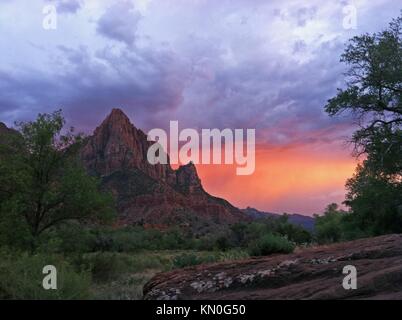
[{"x": 297, "y": 219}]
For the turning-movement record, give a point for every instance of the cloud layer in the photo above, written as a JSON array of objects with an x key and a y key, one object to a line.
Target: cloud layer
[{"x": 237, "y": 64}]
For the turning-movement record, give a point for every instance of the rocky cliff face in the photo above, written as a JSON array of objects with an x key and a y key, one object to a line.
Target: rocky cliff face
[
  {"x": 117, "y": 145},
  {"x": 145, "y": 193},
  {"x": 315, "y": 273},
  {"x": 187, "y": 180}
]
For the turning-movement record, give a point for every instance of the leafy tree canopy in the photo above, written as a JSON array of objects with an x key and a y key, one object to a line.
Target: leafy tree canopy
[
  {"x": 373, "y": 95},
  {"x": 42, "y": 182}
]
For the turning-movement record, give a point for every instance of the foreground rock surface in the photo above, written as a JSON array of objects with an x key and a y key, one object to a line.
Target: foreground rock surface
[{"x": 314, "y": 273}]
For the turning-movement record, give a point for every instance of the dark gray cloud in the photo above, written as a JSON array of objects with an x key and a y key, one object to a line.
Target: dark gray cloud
[
  {"x": 283, "y": 101},
  {"x": 269, "y": 66},
  {"x": 86, "y": 86},
  {"x": 119, "y": 22},
  {"x": 66, "y": 6}
]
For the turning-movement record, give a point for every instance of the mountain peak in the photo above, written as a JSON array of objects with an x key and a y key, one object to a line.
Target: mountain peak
[
  {"x": 117, "y": 112},
  {"x": 117, "y": 116},
  {"x": 117, "y": 145},
  {"x": 188, "y": 180},
  {"x": 116, "y": 125}
]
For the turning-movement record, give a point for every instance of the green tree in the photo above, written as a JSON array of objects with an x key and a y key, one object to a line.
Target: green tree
[
  {"x": 373, "y": 96},
  {"x": 376, "y": 201},
  {"x": 329, "y": 226},
  {"x": 42, "y": 180},
  {"x": 337, "y": 225}
]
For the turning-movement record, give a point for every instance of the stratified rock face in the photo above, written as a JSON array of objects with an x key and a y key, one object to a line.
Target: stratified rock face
[
  {"x": 315, "y": 273},
  {"x": 145, "y": 193},
  {"x": 117, "y": 145},
  {"x": 187, "y": 180}
]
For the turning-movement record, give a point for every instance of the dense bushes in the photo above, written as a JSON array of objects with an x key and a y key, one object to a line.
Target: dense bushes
[
  {"x": 75, "y": 238},
  {"x": 337, "y": 225},
  {"x": 103, "y": 266},
  {"x": 242, "y": 234},
  {"x": 264, "y": 237},
  {"x": 72, "y": 238},
  {"x": 376, "y": 200},
  {"x": 269, "y": 244}
]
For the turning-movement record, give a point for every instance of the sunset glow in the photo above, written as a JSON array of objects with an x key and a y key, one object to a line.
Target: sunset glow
[{"x": 297, "y": 180}]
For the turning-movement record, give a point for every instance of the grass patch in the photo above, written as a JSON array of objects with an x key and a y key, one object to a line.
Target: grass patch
[
  {"x": 21, "y": 277},
  {"x": 99, "y": 275}
]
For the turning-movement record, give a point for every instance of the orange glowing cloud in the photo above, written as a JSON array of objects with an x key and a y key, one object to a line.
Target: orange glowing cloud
[{"x": 302, "y": 179}]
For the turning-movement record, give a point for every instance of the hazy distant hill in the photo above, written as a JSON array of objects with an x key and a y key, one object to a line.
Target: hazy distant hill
[{"x": 297, "y": 219}]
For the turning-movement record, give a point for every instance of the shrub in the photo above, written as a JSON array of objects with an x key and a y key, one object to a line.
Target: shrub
[
  {"x": 269, "y": 244},
  {"x": 68, "y": 238},
  {"x": 206, "y": 243},
  {"x": 128, "y": 240},
  {"x": 185, "y": 260},
  {"x": 134, "y": 239},
  {"x": 222, "y": 243},
  {"x": 190, "y": 259},
  {"x": 75, "y": 238},
  {"x": 21, "y": 277},
  {"x": 104, "y": 266}
]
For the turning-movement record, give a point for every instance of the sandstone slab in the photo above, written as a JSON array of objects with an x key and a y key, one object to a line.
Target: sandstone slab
[{"x": 314, "y": 273}]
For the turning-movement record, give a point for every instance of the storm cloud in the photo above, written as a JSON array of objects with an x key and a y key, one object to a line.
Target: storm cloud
[{"x": 227, "y": 64}]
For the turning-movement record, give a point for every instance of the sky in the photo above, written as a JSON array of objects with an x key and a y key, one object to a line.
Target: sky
[{"x": 266, "y": 65}]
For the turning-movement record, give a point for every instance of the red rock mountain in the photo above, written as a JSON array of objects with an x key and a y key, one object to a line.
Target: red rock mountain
[
  {"x": 150, "y": 194},
  {"x": 117, "y": 145}
]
